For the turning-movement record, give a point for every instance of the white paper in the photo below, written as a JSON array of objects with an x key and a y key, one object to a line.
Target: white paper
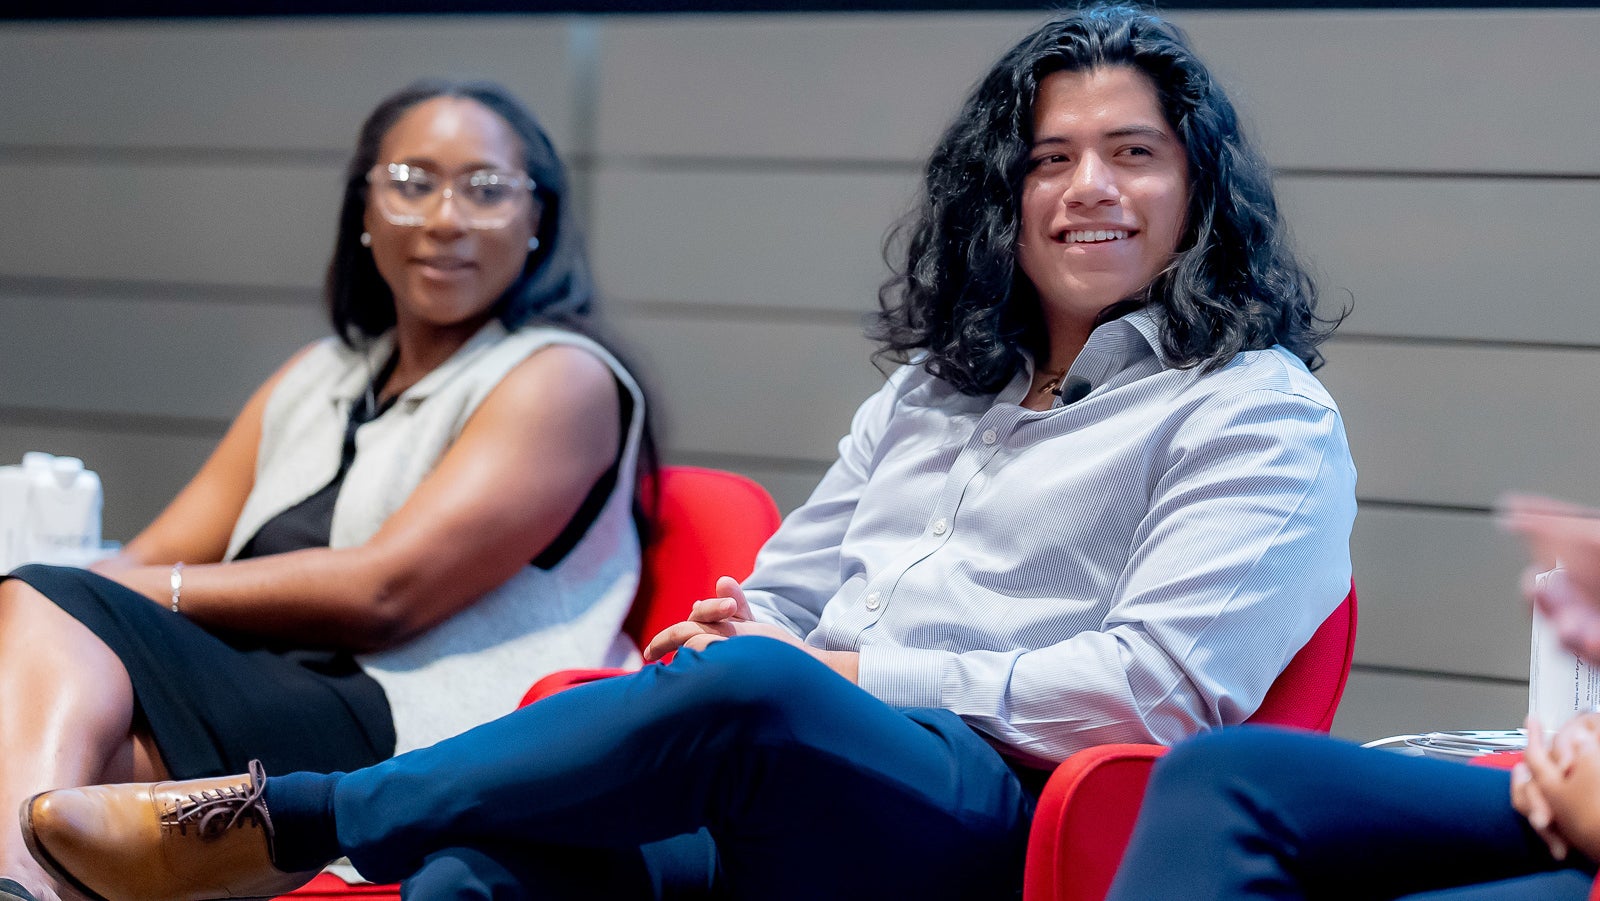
[{"x": 1560, "y": 686}]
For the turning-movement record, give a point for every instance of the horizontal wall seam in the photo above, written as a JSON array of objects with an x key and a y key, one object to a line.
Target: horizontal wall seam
[
  {"x": 157, "y": 155},
  {"x": 324, "y": 157},
  {"x": 1445, "y": 341},
  {"x": 1310, "y": 172},
  {"x": 1380, "y": 670},
  {"x": 701, "y": 310},
  {"x": 760, "y": 164},
  {"x": 134, "y": 291},
  {"x": 771, "y": 163},
  {"x": 1421, "y": 506},
  {"x": 157, "y": 424}
]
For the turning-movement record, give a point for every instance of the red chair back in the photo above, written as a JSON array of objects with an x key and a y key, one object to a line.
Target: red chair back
[
  {"x": 706, "y": 523},
  {"x": 1306, "y": 694},
  {"x": 1088, "y": 808}
]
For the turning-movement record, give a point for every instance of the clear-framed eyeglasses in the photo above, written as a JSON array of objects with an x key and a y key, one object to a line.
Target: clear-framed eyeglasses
[{"x": 485, "y": 198}]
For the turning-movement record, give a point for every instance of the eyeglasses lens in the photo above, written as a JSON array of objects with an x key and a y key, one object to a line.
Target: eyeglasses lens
[{"x": 485, "y": 199}]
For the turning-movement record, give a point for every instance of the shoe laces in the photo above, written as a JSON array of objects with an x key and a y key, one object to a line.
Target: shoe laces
[{"x": 212, "y": 813}]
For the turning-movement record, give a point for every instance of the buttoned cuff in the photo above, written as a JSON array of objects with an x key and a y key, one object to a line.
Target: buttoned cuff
[{"x": 904, "y": 677}]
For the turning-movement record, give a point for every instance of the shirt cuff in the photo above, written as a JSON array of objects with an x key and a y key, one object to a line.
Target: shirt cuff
[
  {"x": 762, "y": 610},
  {"x": 903, "y": 677}
]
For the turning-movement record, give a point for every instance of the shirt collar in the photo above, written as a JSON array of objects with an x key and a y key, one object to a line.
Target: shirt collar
[
  {"x": 1114, "y": 348},
  {"x": 1117, "y": 345}
]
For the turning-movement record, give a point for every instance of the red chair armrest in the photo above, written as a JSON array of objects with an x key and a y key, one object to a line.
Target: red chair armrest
[
  {"x": 1504, "y": 760},
  {"x": 1088, "y": 806},
  {"x": 329, "y": 886},
  {"x": 565, "y": 679}
]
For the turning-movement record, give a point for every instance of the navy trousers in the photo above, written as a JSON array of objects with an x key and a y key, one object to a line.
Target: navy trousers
[
  {"x": 1265, "y": 813},
  {"x": 808, "y": 786}
]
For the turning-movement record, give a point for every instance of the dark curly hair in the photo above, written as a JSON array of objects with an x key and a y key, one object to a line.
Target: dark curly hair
[
  {"x": 555, "y": 284},
  {"x": 961, "y": 306}
]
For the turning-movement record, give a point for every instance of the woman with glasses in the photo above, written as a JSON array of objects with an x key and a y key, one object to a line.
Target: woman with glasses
[{"x": 406, "y": 525}]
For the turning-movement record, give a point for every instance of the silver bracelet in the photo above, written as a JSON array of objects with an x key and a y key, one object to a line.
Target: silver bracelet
[{"x": 176, "y": 580}]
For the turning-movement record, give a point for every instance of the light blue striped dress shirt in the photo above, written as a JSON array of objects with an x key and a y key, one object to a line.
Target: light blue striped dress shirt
[{"x": 1137, "y": 566}]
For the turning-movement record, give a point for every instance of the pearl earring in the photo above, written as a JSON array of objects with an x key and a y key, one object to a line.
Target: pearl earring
[
  {"x": 366, "y": 239},
  {"x": 533, "y": 243}
]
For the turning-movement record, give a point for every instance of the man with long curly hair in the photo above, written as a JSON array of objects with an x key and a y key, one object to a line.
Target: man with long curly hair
[{"x": 1103, "y": 500}]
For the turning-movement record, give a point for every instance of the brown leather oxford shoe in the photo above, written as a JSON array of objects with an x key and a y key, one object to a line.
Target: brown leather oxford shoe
[{"x": 162, "y": 841}]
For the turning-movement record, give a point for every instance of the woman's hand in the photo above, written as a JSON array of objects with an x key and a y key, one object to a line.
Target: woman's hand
[
  {"x": 1557, "y": 786},
  {"x": 1528, "y": 797},
  {"x": 727, "y": 615},
  {"x": 1568, "y": 594},
  {"x": 1573, "y": 611}
]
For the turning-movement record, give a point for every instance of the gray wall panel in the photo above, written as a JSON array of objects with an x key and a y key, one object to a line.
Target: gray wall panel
[
  {"x": 258, "y": 225},
  {"x": 1381, "y": 704},
  {"x": 1324, "y": 90},
  {"x": 1438, "y": 591},
  {"x": 783, "y": 390},
  {"x": 271, "y": 84},
  {"x": 162, "y": 358},
  {"x": 843, "y": 87},
  {"x": 1438, "y": 90},
  {"x": 1419, "y": 257},
  {"x": 1464, "y": 424},
  {"x": 1450, "y": 257},
  {"x": 806, "y": 240}
]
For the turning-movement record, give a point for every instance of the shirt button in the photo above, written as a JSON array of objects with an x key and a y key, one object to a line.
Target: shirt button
[
  {"x": 940, "y": 527},
  {"x": 872, "y": 601},
  {"x": 990, "y": 436}
]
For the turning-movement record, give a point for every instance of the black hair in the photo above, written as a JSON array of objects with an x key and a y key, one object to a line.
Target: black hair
[{"x": 961, "y": 305}]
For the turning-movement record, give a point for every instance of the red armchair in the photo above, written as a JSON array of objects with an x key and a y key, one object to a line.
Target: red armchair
[
  {"x": 706, "y": 523},
  {"x": 1088, "y": 807}
]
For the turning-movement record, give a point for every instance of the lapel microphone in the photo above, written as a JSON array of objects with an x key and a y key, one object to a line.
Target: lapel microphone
[{"x": 1072, "y": 390}]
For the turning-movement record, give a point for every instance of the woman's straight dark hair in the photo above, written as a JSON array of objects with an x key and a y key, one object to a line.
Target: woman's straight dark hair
[{"x": 962, "y": 308}]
